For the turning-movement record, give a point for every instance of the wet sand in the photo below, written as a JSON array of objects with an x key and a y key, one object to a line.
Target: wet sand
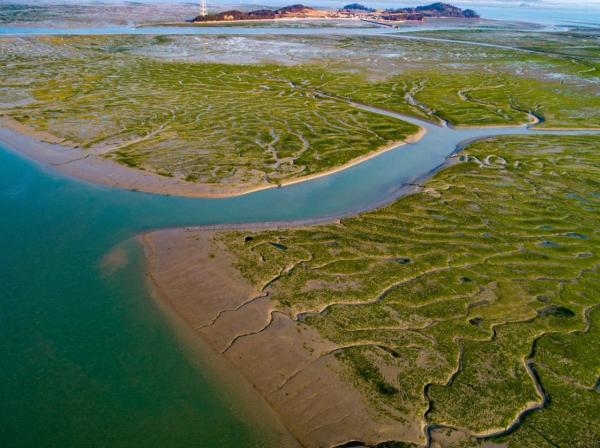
[
  {"x": 290, "y": 366},
  {"x": 85, "y": 165}
]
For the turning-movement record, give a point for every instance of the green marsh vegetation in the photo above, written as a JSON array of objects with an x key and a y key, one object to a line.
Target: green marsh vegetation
[
  {"x": 207, "y": 122},
  {"x": 462, "y": 306},
  {"x": 467, "y": 304},
  {"x": 478, "y": 99},
  {"x": 170, "y": 105}
]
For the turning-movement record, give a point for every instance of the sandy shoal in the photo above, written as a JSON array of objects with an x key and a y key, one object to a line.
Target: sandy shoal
[
  {"x": 84, "y": 165},
  {"x": 290, "y": 366}
]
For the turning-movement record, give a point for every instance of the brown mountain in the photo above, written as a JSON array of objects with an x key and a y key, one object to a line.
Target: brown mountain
[
  {"x": 437, "y": 10},
  {"x": 288, "y": 12}
]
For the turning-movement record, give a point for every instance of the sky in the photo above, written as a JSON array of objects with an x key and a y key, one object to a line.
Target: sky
[
  {"x": 512, "y": 3},
  {"x": 540, "y": 3}
]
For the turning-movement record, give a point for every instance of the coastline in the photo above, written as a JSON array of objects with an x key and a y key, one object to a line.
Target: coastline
[
  {"x": 239, "y": 22},
  {"x": 288, "y": 364},
  {"x": 50, "y": 151},
  {"x": 252, "y": 360},
  {"x": 255, "y": 351}
]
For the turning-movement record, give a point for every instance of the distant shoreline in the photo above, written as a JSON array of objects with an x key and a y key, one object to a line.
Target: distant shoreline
[
  {"x": 350, "y": 20},
  {"x": 237, "y": 22}
]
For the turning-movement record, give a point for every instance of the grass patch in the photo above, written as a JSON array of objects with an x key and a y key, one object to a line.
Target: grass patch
[{"x": 480, "y": 297}]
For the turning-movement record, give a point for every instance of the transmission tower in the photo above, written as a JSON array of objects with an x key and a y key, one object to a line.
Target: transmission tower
[{"x": 203, "y": 8}]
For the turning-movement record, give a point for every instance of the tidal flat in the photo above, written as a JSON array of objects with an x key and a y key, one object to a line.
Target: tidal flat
[
  {"x": 448, "y": 309},
  {"x": 185, "y": 107},
  {"x": 464, "y": 314}
]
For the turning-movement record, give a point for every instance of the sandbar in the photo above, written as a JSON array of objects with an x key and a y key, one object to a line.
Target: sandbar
[{"x": 86, "y": 165}]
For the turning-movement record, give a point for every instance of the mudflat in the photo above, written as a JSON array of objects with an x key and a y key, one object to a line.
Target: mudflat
[
  {"x": 81, "y": 164},
  {"x": 291, "y": 366}
]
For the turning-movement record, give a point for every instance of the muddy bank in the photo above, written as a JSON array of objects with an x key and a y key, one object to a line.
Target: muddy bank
[
  {"x": 288, "y": 364},
  {"x": 88, "y": 165}
]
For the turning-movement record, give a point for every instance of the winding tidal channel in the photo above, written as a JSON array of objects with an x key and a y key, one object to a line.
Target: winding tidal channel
[{"x": 87, "y": 358}]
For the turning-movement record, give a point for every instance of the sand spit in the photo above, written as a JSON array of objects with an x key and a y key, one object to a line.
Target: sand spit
[
  {"x": 289, "y": 364},
  {"x": 89, "y": 166}
]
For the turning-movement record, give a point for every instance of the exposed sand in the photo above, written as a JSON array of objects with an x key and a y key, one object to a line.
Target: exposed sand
[
  {"x": 289, "y": 364},
  {"x": 81, "y": 164}
]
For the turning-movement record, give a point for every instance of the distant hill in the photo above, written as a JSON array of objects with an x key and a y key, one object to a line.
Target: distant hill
[
  {"x": 294, "y": 9},
  {"x": 357, "y": 7},
  {"x": 299, "y": 11},
  {"x": 437, "y": 10}
]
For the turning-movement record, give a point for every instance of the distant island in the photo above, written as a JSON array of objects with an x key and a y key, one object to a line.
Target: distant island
[
  {"x": 351, "y": 11},
  {"x": 287, "y": 12},
  {"x": 357, "y": 7}
]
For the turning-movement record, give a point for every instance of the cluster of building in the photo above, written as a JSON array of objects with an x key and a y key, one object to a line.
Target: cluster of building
[{"x": 351, "y": 11}]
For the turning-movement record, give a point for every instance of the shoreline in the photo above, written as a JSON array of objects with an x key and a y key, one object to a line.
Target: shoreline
[
  {"x": 286, "y": 363},
  {"x": 237, "y": 390},
  {"x": 52, "y": 152},
  {"x": 238, "y": 22},
  {"x": 173, "y": 288},
  {"x": 389, "y": 23},
  {"x": 268, "y": 357},
  {"x": 183, "y": 270}
]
